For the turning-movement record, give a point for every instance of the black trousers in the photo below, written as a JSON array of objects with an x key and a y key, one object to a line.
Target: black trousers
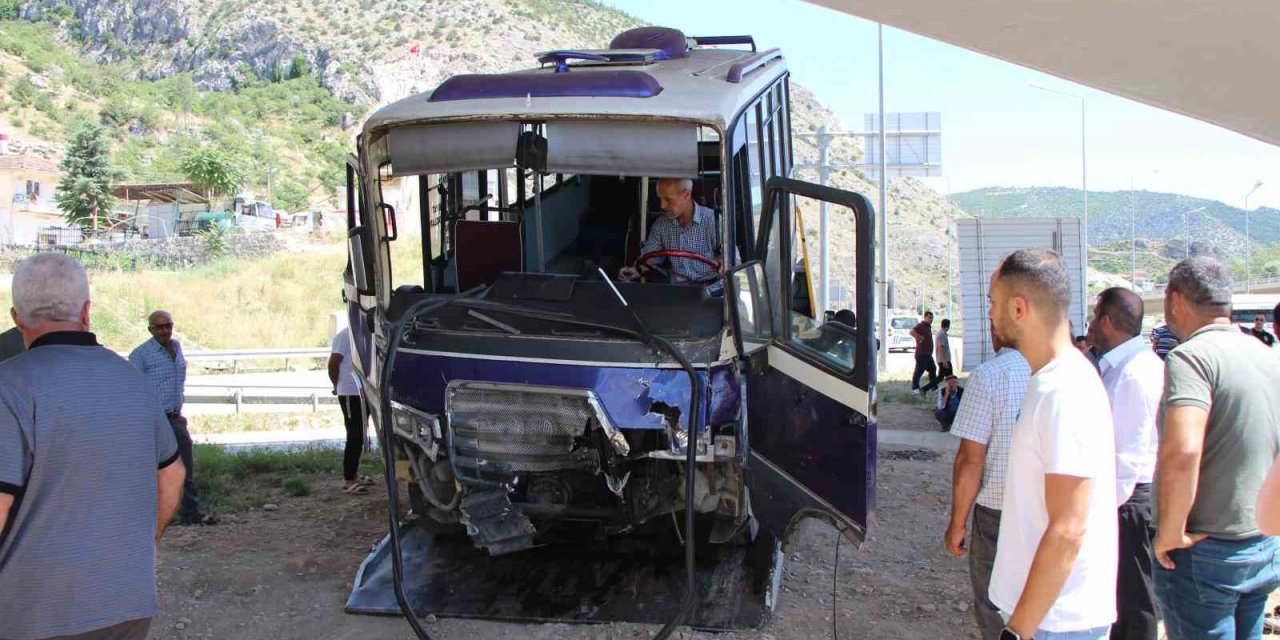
[
  {"x": 353, "y": 418},
  {"x": 944, "y": 370},
  {"x": 1135, "y": 595},
  {"x": 189, "y": 508},
  {"x": 924, "y": 364}
]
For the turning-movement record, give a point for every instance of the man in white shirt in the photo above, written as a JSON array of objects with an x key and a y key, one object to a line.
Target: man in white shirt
[
  {"x": 984, "y": 425},
  {"x": 1133, "y": 376},
  {"x": 1055, "y": 570}
]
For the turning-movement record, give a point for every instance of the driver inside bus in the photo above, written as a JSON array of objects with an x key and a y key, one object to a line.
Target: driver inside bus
[{"x": 687, "y": 226}]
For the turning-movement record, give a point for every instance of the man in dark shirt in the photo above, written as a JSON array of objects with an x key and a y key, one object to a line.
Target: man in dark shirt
[
  {"x": 1259, "y": 329},
  {"x": 948, "y": 402},
  {"x": 923, "y": 333},
  {"x": 1163, "y": 341},
  {"x": 11, "y": 344}
]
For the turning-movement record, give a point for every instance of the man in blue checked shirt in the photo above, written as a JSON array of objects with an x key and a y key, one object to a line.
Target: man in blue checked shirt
[
  {"x": 984, "y": 424},
  {"x": 160, "y": 359},
  {"x": 688, "y": 226}
]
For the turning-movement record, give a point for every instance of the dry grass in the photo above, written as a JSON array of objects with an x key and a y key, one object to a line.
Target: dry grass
[
  {"x": 301, "y": 421},
  {"x": 282, "y": 301}
]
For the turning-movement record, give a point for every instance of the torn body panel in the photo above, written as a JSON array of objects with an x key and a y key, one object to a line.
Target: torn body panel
[{"x": 531, "y": 446}]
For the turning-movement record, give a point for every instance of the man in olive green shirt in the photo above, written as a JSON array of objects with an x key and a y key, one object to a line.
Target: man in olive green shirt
[{"x": 1219, "y": 435}]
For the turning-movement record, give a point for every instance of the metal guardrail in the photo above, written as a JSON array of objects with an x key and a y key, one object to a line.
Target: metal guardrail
[
  {"x": 236, "y": 355},
  {"x": 241, "y": 395}
]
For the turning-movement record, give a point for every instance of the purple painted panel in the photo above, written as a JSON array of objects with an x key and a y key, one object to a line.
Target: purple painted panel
[
  {"x": 604, "y": 84},
  {"x": 627, "y": 394},
  {"x": 822, "y": 445},
  {"x": 671, "y": 42}
]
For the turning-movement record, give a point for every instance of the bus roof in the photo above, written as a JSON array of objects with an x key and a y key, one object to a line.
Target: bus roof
[{"x": 697, "y": 87}]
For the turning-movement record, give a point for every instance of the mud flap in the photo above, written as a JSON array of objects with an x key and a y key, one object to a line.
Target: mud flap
[{"x": 631, "y": 579}]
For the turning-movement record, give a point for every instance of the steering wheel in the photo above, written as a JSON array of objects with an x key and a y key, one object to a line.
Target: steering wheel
[{"x": 644, "y": 264}]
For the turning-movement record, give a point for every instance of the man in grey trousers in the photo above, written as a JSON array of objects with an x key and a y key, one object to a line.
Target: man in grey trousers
[{"x": 984, "y": 425}]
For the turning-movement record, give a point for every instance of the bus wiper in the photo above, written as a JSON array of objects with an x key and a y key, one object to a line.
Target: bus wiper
[
  {"x": 565, "y": 318},
  {"x": 493, "y": 323}
]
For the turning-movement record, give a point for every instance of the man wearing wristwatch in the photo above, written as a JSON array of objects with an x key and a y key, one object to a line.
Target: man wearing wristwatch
[{"x": 1054, "y": 576}]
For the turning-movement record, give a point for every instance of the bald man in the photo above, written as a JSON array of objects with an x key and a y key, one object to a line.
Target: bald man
[
  {"x": 687, "y": 226},
  {"x": 1133, "y": 376},
  {"x": 160, "y": 359}
]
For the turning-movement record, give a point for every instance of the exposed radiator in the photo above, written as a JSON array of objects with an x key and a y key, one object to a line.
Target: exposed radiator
[{"x": 498, "y": 431}]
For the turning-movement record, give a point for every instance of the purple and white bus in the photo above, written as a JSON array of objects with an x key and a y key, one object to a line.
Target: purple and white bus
[{"x": 522, "y": 389}]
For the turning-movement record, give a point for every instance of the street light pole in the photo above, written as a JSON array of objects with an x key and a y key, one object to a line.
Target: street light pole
[
  {"x": 1084, "y": 187},
  {"x": 1248, "y": 241}
]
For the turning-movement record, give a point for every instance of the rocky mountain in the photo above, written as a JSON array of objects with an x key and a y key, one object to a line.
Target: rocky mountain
[{"x": 284, "y": 84}]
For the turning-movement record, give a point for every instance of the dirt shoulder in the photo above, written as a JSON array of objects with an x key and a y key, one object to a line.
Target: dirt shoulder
[{"x": 285, "y": 573}]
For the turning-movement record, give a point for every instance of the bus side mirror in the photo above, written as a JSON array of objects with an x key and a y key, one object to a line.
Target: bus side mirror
[{"x": 357, "y": 245}]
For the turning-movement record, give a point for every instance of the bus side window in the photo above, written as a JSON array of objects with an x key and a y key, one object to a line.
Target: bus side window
[{"x": 740, "y": 170}]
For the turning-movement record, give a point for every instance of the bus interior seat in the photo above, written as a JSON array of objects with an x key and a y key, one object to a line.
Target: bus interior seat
[{"x": 483, "y": 250}]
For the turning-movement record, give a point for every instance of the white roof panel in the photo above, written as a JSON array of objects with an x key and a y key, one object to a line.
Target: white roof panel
[{"x": 694, "y": 89}]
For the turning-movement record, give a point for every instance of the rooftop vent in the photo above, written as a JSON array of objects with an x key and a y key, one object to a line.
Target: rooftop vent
[
  {"x": 601, "y": 84},
  {"x": 672, "y": 43}
]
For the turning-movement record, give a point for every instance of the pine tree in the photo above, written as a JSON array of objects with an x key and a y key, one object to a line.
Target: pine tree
[{"x": 84, "y": 193}]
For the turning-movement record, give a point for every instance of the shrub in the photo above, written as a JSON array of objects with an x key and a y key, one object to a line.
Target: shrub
[
  {"x": 296, "y": 486},
  {"x": 24, "y": 91}
]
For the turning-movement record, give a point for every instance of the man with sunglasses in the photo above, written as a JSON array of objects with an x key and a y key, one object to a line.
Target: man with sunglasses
[{"x": 160, "y": 359}]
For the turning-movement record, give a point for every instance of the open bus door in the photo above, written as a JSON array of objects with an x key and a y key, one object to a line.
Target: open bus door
[
  {"x": 358, "y": 278},
  {"x": 810, "y": 384}
]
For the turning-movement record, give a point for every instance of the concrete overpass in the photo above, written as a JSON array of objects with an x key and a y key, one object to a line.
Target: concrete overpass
[{"x": 1154, "y": 301}]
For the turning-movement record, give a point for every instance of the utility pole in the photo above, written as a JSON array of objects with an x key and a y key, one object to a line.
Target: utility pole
[
  {"x": 1084, "y": 187},
  {"x": 884, "y": 214}
]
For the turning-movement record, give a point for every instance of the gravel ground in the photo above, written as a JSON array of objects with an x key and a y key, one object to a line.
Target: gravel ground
[{"x": 285, "y": 572}]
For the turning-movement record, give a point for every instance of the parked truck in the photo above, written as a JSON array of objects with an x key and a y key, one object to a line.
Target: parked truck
[{"x": 984, "y": 243}]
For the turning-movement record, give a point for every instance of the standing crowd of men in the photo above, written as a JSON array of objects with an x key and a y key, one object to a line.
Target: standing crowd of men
[
  {"x": 95, "y": 459},
  {"x": 1094, "y": 496},
  {"x": 1098, "y": 492}
]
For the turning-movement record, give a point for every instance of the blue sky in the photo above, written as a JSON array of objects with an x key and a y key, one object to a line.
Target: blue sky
[{"x": 997, "y": 130}]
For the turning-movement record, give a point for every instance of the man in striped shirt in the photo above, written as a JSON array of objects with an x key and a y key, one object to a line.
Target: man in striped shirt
[
  {"x": 688, "y": 226},
  {"x": 160, "y": 359}
]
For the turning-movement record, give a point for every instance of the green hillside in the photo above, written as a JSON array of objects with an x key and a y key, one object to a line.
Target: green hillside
[
  {"x": 1158, "y": 224},
  {"x": 1157, "y": 216},
  {"x": 153, "y": 123}
]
